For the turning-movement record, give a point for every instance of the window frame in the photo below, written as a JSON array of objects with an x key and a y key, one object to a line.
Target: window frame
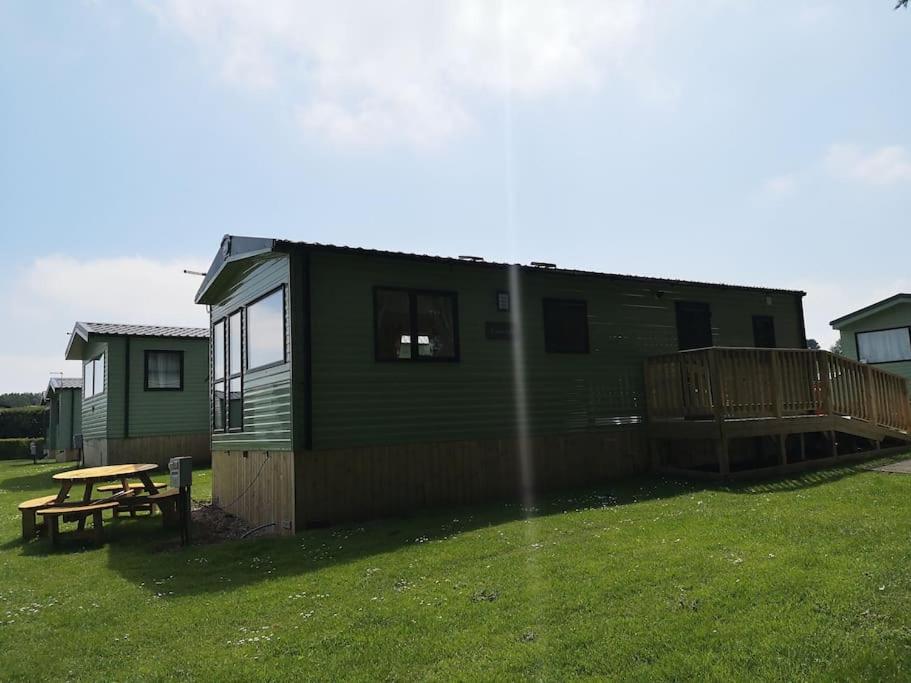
[
  {"x": 757, "y": 317},
  {"x": 413, "y": 294},
  {"x": 104, "y": 384},
  {"x": 145, "y": 370},
  {"x": 221, "y": 380},
  {"x": 857, "y": 334},
  {"x": 245, "y": 331},
  {"x": 240, "y": 371},
  {"x": 556, "y": 300}
]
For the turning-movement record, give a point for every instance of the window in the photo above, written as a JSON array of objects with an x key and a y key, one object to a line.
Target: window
[
  {"x": 93, "y": 377},
  {"x": 764, "y": 332},
  {"x": 227, "y": 383},
  {"x": 218, "y": 350},
  {"x": 163, "y": 370},
  {"x": 415, "y": 325},
  {"x": 266, "y": 331},
  {"x": 235, "y": 383},
  {"x": 218, "y": 376},
  {"x": 565, "y": 326},
  {"x": 694, "y": 325},
  {"x": 884, "y": 346},
  {"x": 87, "y": 380},
  {"x": 218, "y": 407}
]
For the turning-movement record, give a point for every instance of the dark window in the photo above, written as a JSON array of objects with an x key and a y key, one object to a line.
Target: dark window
[
  {"x": 218, "y": 406},
  {"x": 565, "y": 326},
  {"x": 764, "y": 332},
  {"x": 266, "y": 330},
  {"x": 416, "y": 325},
  {"x": 694, "y": 325},
  {"x": 884, "y": 346},
  {"x": 163, "y": 370}
]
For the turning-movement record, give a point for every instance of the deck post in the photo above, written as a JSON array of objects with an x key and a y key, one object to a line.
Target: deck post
[
  {"x": 834, "y": 440},
  {"x": 777, "y": 395},
  {"x": 783, "y": 449},
  {"x": 825, "y": 379},
  {"x": 721, "y": 448},
  {"x": 870, "y": 393}
]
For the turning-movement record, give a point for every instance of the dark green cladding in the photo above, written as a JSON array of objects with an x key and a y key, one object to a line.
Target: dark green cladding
[
  {"x": 358, "y": 401},
  {"x": 64, "y": 419},
  {"x": 267, "y": 392},
  {"x": 896, "y": 316},
  {"x": 151, "y": 413}
]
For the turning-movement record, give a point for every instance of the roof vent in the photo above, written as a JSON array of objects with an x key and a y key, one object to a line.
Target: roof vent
[
  {"x": 473, "y": 259},
  {"x": 542, "y": 264}
]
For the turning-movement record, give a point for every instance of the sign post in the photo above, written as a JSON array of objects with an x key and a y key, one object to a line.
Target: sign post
[{"x": 181, "y": 471}]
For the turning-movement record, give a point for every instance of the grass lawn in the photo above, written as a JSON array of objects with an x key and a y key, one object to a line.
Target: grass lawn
[{"x": 804, "y": 578}]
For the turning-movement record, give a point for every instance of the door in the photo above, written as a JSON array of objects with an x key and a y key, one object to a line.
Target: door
[
  {"x": 764, "y": 332},
  {"x": 694, "y": 325}
]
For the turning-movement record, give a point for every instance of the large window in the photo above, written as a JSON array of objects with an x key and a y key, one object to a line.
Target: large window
[
  {"x": 93, "y": 377},
  {"x": 416, "y": 325},
  {"x": 163, "y": 370},
  {"x": 884, "y": 346},
  {"x": 266, "y": 330},
  {"x": 565, "y": 326},
  {"x": 227, "y": 381}
]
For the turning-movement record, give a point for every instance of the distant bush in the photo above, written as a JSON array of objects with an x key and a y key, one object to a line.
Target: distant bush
[
  {"x": 19, "y": 399},
  {"x": 27, "y": 422},
  {"x": 14, "y": 449}
]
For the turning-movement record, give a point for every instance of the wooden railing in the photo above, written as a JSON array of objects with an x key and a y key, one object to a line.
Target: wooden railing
[{"x": 729, "y": 383}]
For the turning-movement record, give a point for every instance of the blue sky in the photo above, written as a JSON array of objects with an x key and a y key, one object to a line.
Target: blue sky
[{"x": 748, "y": 142}]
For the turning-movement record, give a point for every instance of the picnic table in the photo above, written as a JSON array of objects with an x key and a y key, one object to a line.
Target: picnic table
[{"x": 92, "y": 475}]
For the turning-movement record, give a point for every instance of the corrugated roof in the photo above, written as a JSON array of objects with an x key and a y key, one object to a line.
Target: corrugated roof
[
  {"x": 235, "y": 248},
  {"x": 901, "y": 297},
  {"x": 145, "y": 330},
  {"x": 81, "y": 332},
  {"x": 65, "y": 383}
]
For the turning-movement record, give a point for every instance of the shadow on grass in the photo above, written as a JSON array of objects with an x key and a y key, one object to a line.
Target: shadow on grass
[
  {"x": 142, "y": 552},
  {"x": 34, "y": 478}
]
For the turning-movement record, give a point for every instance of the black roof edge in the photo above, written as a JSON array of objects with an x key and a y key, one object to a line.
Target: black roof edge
[
  {"x": 868, "y": 309},
  {"x": 258, "y": 245}
]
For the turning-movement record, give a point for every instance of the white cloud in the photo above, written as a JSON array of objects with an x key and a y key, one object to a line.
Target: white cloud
[
  {"x": 882, "y": 166},
  {"x": 49, "y": 295},
  {"x": 780, "y": 187},
  {"x": 361, "y": 72}
]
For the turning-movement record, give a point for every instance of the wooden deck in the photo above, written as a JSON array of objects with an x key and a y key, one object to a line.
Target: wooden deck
[{"x": 721, "y": 394}]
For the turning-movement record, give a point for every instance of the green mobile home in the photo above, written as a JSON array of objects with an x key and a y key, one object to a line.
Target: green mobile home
[
  {"x": 879, "y": 334},
  {"x": 144, "y": 392},
  {"x": 63, "y": 398},
  {"x": 349, "y": 383}
]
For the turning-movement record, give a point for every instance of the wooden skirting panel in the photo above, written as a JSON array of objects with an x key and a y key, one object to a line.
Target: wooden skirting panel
[
  {"x": 159, "y": 449},
  {"x": 257, "y": 486},
  {"x": 359, "y": 483}
]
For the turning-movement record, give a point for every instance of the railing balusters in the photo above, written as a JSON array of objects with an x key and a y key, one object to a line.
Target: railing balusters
[{"x": 745, "y": 383}]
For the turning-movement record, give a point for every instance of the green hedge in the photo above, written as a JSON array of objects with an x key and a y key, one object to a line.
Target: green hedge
[
  {"x": 14, "y": 449},
  {"x": 16, "y": 423}
]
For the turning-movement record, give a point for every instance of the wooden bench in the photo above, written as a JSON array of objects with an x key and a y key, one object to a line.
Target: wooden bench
[
  {"x": 69, "y": 513},
  {"x": 28, "y": 510},
  {"x": 167, "y": 501}
]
